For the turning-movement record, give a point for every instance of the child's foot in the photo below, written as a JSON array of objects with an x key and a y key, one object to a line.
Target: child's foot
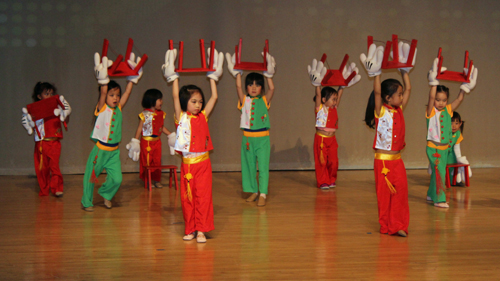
[
  {"x": 188, "y": 237},
  {"x": 429, "y": 199},
  {"x": 333, "y": 185},
  {"x": 262, "y": 200},
  {"x": 200, "y": 238},
  {"x": 108, "y": 203},
  {"x": 158, "y": 184},
  {"x": 324, "y": 187},
  {"x": 88, "y": 209},
  {"x": 252, "y": 197},
  {"x": 59, "y": 194},
  {"x": 402, "y": 233},
  {"x": 441, "y": 205}
]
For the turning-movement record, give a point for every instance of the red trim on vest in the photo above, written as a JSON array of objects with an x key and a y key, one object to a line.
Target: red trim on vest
[{"x": 398, "y": 128}]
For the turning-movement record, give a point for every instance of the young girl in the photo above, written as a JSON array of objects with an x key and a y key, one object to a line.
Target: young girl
[
  {"x": 148, "y": 149},
  {"x": 454, "y": 152},
  {"x": 255, "y": 144},
  {"x": 107, "y": 134},
  {"x": 325, "y": 143},
  {"x": 47, "y": 144},
  {"x": 194, "y": 142},
  {"x": 439, "y": 134},
  {"x": 384, "y": 113}
]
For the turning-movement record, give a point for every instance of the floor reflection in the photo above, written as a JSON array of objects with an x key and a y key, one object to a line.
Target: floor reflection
[{"x": 325, "y": 232}]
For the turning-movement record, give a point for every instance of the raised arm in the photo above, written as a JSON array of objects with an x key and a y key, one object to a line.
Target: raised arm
[
  {"x": 433, "y": 82},
  {"x": 102, "y": 96},
  {"x": 169, "y": 73},
  {"x": 270, "y": 91},
  {"x": 377, "y": 90},
  {"x": 131, "y": 80},
  {"x": 101, "y": 74},
  {"x": 340, "y": 92},
  {"x": 239, "y": 89},
  {"x": 317, "y": 101},
  {"x": 126, "y": 94},
  {"x": 407, "y": 86},
  {"x": 456, "y": 103},
  {"x": 175, "y": 97},
  {"x": 269, "y": 73},
  {"x": 432, "y": 97},
  {"x": 213, "y": 98},
  {"x": 346, "y": 72},
  {"x": 373, "y": 65}
]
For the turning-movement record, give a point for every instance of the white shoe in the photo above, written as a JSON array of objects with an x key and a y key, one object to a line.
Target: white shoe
[
  {"x": 200, "y": 238},
  {"x": 441, "y": 205},
  {"x": 188, "y": 237}
]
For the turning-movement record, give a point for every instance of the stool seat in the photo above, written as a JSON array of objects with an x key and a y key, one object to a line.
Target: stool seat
[
  {"x": 172, "y": 168},
  {"x": 455, "y": 172}
]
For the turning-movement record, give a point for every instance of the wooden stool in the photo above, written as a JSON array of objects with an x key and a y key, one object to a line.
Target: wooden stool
[
  {"x": 172, "y": 168},
  {"x": 455, "y": 172}
]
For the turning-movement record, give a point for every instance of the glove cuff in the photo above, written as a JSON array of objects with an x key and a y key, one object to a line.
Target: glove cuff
[
  {"x": 172, "y": 77},
  {"x": 464, "y": 88},
  {"x": 268, "y": 75},
  {"x": 103, "y": 81},
  {"x": 373, "y": 74},
  {"x": 135, "y": 141}
]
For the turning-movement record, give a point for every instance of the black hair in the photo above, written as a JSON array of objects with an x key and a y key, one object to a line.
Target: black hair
[
  {"x": 327, "y": 93},
  {"x": 456, "y": 117},
  {"x": 255, "y": 77},
  {"x": 388, "y": 88},
  {"x": 443, "y": 89},
  {"x": 41, "y": 87},
  {"x": 185, "y": 94},
  {"x": 111, "y": 85},
  {"x": 150, "y": 97}
]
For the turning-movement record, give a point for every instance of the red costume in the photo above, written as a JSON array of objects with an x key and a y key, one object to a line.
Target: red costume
[
  {"x": 390, "y": 173},
  {"x": 325, "y": 147},
  {"x": 47, "y": 154},
  {"x": 151, "y": 143}
]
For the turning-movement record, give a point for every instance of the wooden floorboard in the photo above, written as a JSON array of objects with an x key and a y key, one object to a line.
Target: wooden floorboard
[{"x": 302, "y": 234}]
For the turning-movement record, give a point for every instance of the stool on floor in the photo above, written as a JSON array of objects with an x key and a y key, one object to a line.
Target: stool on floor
[
  {"x": 172, "y": 168},
  {"x": 455, "y": 172}
]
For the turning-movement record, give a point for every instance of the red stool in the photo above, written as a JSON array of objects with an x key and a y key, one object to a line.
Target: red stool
[
  {"x": 172, "y": 168},
  {"x": 455, "y": 172}
]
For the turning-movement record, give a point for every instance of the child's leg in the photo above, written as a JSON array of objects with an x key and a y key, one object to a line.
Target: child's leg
[
  {"x": 202, "y": 195},
  {"x": 399, "y": 211},
  {"x": 322, "y": 175},
  {"x": 53, "y": 154},
  {"x": 114, "y": 178},
  {"x": 188, "y": 207},
  {"x": 88, "y": 187},
  {"x": 333, "y": 159},
  {"x": 143, "y": 156},
  {"x": 263, "y": 153},
  {"x": 452, "y": 159},
  {"x": 155, "y": 159},
  {"x": 383, "y": 196},
  {"x": 42, "y": 172},
  {"x": 440, "y": 155},
  {"x": 248, "y": 166}
]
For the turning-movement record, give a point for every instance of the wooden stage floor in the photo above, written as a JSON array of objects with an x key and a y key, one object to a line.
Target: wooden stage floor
[{"x": 302, "y": 234}]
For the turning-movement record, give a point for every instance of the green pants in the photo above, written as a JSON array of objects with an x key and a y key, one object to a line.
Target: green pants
[
  {"x": 258, "y": 152},
  {"x": 452, "y": 159},
  {"x": 443, "y": 159},
  {"x": 108, "y": 160}
]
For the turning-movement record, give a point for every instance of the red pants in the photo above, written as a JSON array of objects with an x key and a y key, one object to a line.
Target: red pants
[
  {"x": 154, "y": 155},
  {"x": 199, "y": 211},
  {"x": 326, "y": 172},
  {"x": 47, "y": 154},
  {"x": 393, "y": 210}
]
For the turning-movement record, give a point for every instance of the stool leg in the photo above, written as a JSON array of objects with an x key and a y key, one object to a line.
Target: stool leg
[
  {"x": 175, "y": 178},
  {"x": 455, "y": 173},
  {"x": 466, "y": 169}
]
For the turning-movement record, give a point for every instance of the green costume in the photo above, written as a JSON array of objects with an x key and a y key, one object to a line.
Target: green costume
[
  {"x": 105, "y": 155},
  {"x": 452, "y": 158}
]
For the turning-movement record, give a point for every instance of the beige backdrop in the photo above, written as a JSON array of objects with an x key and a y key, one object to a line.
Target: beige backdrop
[{"x": 55, "y": 41}]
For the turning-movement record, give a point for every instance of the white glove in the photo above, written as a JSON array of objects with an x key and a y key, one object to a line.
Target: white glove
[
  {"x": 373, "y": 63},
  {"x": 218, "y": 65},
  {"x": 434, "y": 72},
  {"x": 27, "y": 121},
  {"x": 168, "y": 68},
  {"x": 271, "y": 66},
  {"x": 134, "y": 149},
  {"x": 101, "y": 69},
  {"x": 404, "y": 51},
  {"x": 171, "y": 142},
  {"x": 466, "y": 87},
  {"x": 132, "y": 63},
  {"x": 463, "y": 160},
  {"x": 63, "y": 113},
  {"x": 231, "y": 61},
  {"x": 316, "y": 72},
  {"x": 347, "y": 72}
]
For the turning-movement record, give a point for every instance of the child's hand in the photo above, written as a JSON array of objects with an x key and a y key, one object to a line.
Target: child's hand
[
  {"x": 373, "y": 63},
  {"x": 27, "y": 121},
  {"x": 434, "y": 72},
  {"x": 271, "y": 66},
  {"x": 168, "y": 68},
  {"x": 63, "y": 113},
  {"x": 404, "y": 51},
  {"x": 218, "y": 65},
  {"x": 347, "y": 72},
  {"x": 467, "y": 87},
  {"x": 132, "y": 63},
  {"x": 231, "y": 61},
  {"x": 171, "y": 142},
  {"x": 134, "y": 149},
  {"x": 101, "y": 69},
  {"x": 316, "y": 72}
]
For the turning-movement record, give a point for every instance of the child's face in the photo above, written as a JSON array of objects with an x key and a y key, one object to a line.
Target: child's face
[
  {"x": 254, "y": 89},
  {"x": 396, "y": 100},
  {"x": 440, "y": 101},
  {"x": 195, "y": 103},
  {"x": 113, "y": 97},
  {"x": 331, "y": 102},
  {"x": 46, "y": 94},
  {"x": 455, "y": 125},
  {"x": 159, "y": 103}
]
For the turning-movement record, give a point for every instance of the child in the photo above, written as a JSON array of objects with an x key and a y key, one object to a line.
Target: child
[
  {"x": 47, "y": 145},
  {"x": 148, "y": 149},
  {"x": 194, "y": 142},
  {"x": 325, "y": 143},
  {"x": 255, "y": 144},
  {"x": 384, "y": 113},
  {"x": 439, "y": 135},
  {"x": 107, "y": 134},
  {"x": 454, "y": 152}
]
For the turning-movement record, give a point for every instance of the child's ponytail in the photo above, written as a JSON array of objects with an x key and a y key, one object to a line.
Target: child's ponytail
[{"x": 370, "y": 111}]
